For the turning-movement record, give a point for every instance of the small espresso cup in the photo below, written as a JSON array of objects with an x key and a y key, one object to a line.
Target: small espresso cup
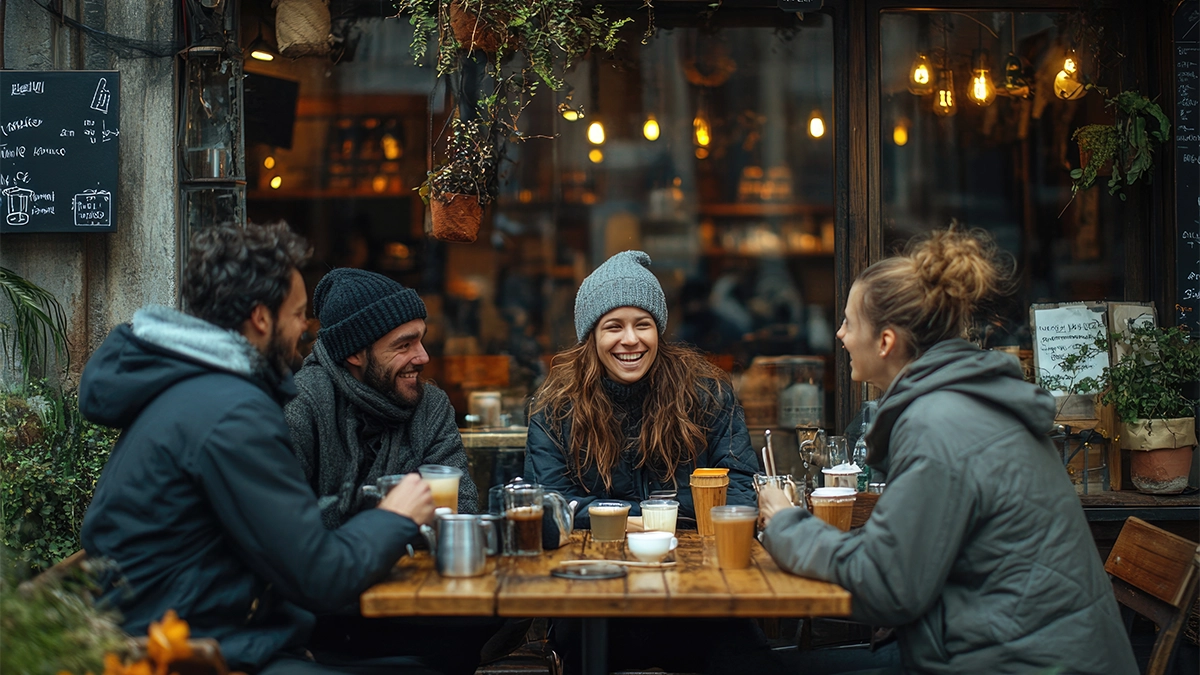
[{"x": 651, "y": 547}]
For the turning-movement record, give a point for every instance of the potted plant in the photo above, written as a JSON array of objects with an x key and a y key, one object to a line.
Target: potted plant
[
  {"x": 457, "y": 190},
  {"x": 1128, "y": 144},
  {"x": 1152, "y": 388}
]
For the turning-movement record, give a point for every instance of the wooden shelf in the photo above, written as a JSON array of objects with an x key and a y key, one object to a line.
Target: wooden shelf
[
  {"x": 327, "y": 193},
  {"x": 722, "y": 253},
  {"x": 762, "y": 210}
]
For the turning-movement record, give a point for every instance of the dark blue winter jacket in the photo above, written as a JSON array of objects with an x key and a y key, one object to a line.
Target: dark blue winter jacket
[{"x": 202, "y": 507}]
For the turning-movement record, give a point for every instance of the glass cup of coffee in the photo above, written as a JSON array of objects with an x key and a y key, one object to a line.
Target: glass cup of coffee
[
  {"x": 660, "y": 515},
  {"x": 373, "y": 494},
  {"x": 523, "y": 518},
  {"x": 443, "y": 483},
  {"x": 834, "y": 505},
  {"x": 608, "y": 520},
  {"x": 734, "y": 527}
]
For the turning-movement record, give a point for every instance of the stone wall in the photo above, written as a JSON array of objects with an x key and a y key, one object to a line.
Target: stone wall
[{"x": 101, "y": 279}]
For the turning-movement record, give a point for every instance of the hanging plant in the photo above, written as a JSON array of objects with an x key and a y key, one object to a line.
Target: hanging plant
[
  {"x": 1129, "y": 143},
  {"x": 551, "y": 34}
]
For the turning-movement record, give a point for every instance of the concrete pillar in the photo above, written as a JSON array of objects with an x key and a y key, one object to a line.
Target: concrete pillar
[{"x": 101, "y": 279}]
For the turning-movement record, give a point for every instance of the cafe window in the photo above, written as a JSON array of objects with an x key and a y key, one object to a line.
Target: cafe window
[
  {"x": 710, "y": 148},
  {"x": 976, "y": 117}
]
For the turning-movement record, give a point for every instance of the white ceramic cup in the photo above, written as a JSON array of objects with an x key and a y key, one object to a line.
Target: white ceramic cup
[{"x": 651, "y": 547}]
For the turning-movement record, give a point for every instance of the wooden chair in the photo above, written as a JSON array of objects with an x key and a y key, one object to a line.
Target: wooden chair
[{"x": 1154, "y": 573}]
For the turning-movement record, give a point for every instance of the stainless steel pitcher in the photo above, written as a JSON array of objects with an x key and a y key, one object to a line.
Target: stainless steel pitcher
[{"x": 459, "y": 543}]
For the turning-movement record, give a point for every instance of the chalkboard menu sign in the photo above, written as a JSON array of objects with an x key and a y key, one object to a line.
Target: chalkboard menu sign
[
  {"x": 59, "y": 133},
  {"x": 1187, "y": 164}
]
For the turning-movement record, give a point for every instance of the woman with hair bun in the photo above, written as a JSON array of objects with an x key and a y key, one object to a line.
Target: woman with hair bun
[{"x": 977, "y": 552}]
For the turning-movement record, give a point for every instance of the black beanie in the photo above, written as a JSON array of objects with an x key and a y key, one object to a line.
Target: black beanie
[{"x": 357, "y": 307}]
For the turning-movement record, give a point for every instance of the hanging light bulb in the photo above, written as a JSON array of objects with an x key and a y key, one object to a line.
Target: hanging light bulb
[
  {"x": 900, "y": 132},
  {"x": 1014, "y": 77},
  {"x": 701, "y": 133},
  {"x": 920, "y": 76},
  {"x": 981, "y": 91},
  {"x": 569, "y": 113},
  {"x": 816, "y": 124},
  {"x": 596, "y": 155},
  {"x": 595, "y": 133},
  {"x": 943, "y": 97},
  {"x": 1067, "y": 84},
  {"x": 650, "y": 129}
]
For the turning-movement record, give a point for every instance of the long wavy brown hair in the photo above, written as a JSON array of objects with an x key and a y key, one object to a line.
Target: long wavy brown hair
[{"x": 683, "y": 397}]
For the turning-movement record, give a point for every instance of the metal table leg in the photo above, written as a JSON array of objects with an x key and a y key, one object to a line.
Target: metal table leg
[{"x": 595, "y": 646}]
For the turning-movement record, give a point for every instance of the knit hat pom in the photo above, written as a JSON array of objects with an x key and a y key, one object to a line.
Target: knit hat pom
[{"x": 624, "y": 280}]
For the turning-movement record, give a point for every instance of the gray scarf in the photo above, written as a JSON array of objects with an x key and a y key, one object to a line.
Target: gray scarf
[{"x": 346, "y": 434}]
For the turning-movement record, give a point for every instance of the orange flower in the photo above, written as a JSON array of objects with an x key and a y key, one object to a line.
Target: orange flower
[
  {"x": 167, "y": 642},
  {"x": 113, "y": 666}
]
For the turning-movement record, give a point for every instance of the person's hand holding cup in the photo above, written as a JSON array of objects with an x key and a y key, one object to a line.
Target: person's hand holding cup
[
  {"x": 411, "y": 498},
  {"x": 771, "y": 500}
]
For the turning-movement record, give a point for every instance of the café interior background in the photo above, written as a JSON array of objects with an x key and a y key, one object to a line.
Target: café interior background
[{"x": 711, "y": 148}]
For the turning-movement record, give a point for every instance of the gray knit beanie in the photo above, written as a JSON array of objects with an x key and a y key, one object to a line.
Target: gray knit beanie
[
  {"x": 624, "y": 280},
  {"x": 357, "y": 307}
]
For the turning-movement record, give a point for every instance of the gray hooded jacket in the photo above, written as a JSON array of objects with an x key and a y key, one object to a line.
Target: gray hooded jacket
[{"x": 978, "y": 550}]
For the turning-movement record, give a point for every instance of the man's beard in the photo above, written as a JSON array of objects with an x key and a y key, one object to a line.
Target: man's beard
[
  {"x": 286, "y": 358},
  {"x": 378, "y": 378}
]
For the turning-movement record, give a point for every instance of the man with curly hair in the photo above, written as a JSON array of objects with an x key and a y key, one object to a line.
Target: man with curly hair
[{"x": 202, "y": 507}]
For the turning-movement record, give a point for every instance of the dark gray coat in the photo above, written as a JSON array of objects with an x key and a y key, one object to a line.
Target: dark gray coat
[{"x": 978, "y": 550}]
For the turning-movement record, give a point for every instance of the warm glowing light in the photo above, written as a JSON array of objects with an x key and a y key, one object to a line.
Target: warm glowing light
[
  {"x": 525, "y": 196},
  {"x": 391, "y": 147},
  {"x": 816, "y": 124},
  {"x": 920, "y": 76},
  {"x": 596, "y": 155},
  {"x": 595, "y": 133},
  {"x": 943, "y": 98},
  {"x": 276, "y": 182},
  {"x": 701, "y": 153},
  {"x": 269, "y": 162},
  {"x": 701, "y": 133},
  {"x": 650, "y": 129},
  {"x": 900, "y": 133},
  {"x": 1069, "y": 66},
  {"x": 262, "y": 55},
  {"x": 570, "y": 114},
  {"x": 981, "y": 91},
  {"x": 379, "y": 183}
]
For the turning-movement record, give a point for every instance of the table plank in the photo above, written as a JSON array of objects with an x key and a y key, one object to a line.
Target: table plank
[
  {"x": 697, "y": 587},
  {"x": 527, "y": 589},
  {"x": 798, "y": 596},
  {"x": 447, "y": 596},
  {"x": 397, "y": 595}
]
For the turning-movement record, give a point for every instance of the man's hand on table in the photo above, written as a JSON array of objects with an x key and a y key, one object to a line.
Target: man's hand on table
[
  {"x": 771, "y": 500},
  {"x": 411, "y": 499}
]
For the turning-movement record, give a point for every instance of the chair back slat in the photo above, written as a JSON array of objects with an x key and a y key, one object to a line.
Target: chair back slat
[{"x": 1153, "y": 560}]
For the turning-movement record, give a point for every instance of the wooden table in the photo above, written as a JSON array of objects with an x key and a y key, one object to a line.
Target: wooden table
[{"x": 523, "y": 587}]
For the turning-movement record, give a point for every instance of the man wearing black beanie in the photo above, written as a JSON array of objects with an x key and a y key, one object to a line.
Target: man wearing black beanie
[{"x": 363, "y": 411}]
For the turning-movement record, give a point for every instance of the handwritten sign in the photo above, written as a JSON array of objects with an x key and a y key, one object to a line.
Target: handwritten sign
[
  {"x": 59, "y": 134},
  {"x": 1061, "y": 331},
  {"x": 1187, "y": 165}
]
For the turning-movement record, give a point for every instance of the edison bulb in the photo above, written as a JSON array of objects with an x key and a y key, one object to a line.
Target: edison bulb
[
  {"x": 1067, "y": 87},
  {"x": 900, "y": 134},
  {"x": 816, "y": 124},
  {"x": 943, "y": 98},
  {"x": 269, "y": 162},
  {"x": 595, "y": 133},
  {"x": 650, "y": 129},
  {"x": 701, "y": 133},
  {"x": 261, "y": 55},
  {"x": 983, "y": 92},
  {"x": 276, "y": 182},
  {"x": 920, "y": 76}
]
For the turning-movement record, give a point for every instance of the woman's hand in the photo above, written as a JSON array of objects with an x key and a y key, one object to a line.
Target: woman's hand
[{"x": 771, "y": 500}]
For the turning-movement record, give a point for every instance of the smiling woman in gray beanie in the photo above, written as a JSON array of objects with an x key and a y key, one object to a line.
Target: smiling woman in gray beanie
[{"x": 623, "y": 414}]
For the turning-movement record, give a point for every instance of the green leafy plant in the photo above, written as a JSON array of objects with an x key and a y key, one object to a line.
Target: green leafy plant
[
  {"x": 1154, "y": 379},
  {"x": 472, "y": 154},
  {"x": 550, "y": 34},
  {"x": 39, "y": 324},
  {"x": 51, "y": 627},
  {"x": 50, "y": 458},
  {"x": 1130, "y": 142}
]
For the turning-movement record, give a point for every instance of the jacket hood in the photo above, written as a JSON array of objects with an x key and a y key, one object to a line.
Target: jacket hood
[
  {"x": 960, "y": 366},
  {"x": 160, "y": 347}
]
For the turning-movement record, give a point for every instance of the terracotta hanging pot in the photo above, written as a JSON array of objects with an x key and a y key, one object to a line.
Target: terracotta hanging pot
[
  {"x": 1161, "y": 456},
  {"x": 1085, "y": 157},
  {"x": 456, "y": 217},
  {"x": 473, "y": 33}
]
